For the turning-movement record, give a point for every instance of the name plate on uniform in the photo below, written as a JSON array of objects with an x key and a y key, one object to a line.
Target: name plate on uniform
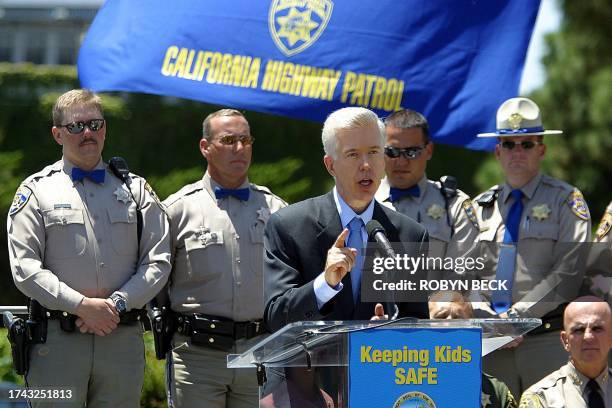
[{"x": 406, "y": 368}]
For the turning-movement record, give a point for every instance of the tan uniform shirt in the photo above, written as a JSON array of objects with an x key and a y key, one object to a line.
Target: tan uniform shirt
[
  {"x": 554, "y": 217},
  {"x": 565, "y": 387},
  {"x": 599, "y": 266},
  {"x": 429, "y": 209},
  {"x": 218, "y": 250},
  {"x": 71, "y": 239}
]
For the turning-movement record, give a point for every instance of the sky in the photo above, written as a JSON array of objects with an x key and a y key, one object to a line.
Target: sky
[{"x": 549, "y": 18}]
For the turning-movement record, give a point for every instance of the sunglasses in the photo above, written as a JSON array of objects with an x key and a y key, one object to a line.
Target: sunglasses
[
  {"x": 230, "y": 140},
  {"x": 408, "y": 152},
  {"x": 78, "y": 127},
  {"x": 525, "y": 144}
]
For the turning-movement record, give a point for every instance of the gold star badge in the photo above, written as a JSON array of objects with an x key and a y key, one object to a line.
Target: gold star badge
[
  {"x": 296, "y": 26},
  {"x": 540, "y": 212},
  {"x": 122, "y": 195},
  {"x": 485, "y": 400},
  {"x": 435, "y": 211}
]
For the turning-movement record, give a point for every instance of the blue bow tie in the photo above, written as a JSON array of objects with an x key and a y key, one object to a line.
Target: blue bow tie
[
  {"x": 397, "y": 193},
  {"x": 239, "y": 193},
  {"x": 97, "y": 176}
]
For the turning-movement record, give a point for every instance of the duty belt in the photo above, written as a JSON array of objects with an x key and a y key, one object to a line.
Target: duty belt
[
  {"x": 549, "y": 325},
  {"x": 216, "y": 332},
  {"x": 130, "y": 317}
]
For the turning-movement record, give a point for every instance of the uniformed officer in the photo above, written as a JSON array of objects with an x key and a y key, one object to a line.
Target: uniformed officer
[
  {"x": 598, "y": 279},
  {"x": 453, "y": 305},
  {"x": 585, "y": 380},
  {"x": 74, "y": 247},
  {"x": 446, "y": 212},
  {"x": 217, "y": 226},
  {"x": 534, "y": 224}
]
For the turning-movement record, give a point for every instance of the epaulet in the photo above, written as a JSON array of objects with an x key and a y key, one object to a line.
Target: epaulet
[
  {"x": 560, "y": 184},
  {"x": 605, "y": 224},
  {"x": 575, "y": 199},
  {"x": 26, "y": 188},
  {"x": 183, "y": 192},
  {"x": 265, "y": 190},
  {"x": 550, "y": 380},
  {"x": 487, "y": 198},
  {"x": 45, "y": 172}
]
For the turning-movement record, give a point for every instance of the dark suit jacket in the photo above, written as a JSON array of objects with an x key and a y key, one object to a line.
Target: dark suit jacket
[{"x": 297, "y": 239}]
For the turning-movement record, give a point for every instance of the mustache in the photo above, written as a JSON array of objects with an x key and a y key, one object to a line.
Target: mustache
[{"x": 87, "y": 141}]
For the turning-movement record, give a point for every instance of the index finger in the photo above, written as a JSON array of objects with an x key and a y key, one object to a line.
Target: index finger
[{"x": 341, "y": 238}]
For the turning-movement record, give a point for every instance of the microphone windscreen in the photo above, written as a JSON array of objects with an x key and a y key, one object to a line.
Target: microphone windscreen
[{"x": 373, "y": 227}]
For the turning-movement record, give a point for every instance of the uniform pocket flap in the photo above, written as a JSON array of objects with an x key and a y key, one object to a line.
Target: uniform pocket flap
[
  {"x": 540, "y": 230},
  {"x": 63, "y": 216},
  {"x": 122, "y": 215},
  {"x": 203, "y": 240}
]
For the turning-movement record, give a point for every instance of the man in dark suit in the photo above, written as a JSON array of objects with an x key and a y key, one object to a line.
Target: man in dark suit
[{"x": 311, "y": 246}]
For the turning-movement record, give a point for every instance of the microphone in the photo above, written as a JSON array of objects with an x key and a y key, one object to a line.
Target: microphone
[{"x": 377, "y": 233}]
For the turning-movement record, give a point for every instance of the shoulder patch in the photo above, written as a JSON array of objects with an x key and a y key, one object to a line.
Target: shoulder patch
[
  {"x": 604, "y": 226},
  {"x": 468, "y": 207},
  {"x": 148, "y": 187},
  {"x": 20, "y": 200},
  {"x": 578, "y": 205},
  {"x": 529, "y": 400}
]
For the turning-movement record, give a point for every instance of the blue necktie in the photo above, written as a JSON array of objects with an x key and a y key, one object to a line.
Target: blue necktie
[
  {"x": 398, "y": 193},
  {"x": 506, "y": 264},
  {"x": 97, "y": 176},
  {"x": 239, "y": 193},
  {"x": 355, "y": 241}
]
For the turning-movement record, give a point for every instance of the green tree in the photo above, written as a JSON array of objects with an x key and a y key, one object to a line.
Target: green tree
[{"x": 577, "y": 97}]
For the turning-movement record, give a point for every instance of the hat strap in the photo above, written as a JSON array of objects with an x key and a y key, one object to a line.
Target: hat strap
[{"x": 519, "y": 131}]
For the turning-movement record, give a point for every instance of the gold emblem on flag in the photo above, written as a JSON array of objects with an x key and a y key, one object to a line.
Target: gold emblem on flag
[{"x": 296, "y": 24}]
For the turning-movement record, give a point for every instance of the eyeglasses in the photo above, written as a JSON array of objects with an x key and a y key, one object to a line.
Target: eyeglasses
[
  {"x": 78, "y": 127},
  {"x": 525, "y": 144},
  {"x": 408, "y": 152},
  {"x": 233, "y": 139}
]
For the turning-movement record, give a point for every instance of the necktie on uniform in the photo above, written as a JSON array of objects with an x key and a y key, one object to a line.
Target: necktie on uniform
[
  {"x": 97, "y": 176},
  {"x": 595, "y": 398},
  {"x": 398, "y": 193},
  {"x": 355, "y": 241},
  {"x": 239, "y": 193},
  {"x": 506, "y": 264}
]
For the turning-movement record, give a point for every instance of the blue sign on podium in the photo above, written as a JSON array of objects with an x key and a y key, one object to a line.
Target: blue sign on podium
[{"x": 415, "y": 368}]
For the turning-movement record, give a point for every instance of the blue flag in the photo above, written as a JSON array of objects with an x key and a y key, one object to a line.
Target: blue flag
[{"x": 455, "y": 61}]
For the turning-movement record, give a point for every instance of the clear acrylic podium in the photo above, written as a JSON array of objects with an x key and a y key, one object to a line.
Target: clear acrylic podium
[{"x": 305, "y": 364}]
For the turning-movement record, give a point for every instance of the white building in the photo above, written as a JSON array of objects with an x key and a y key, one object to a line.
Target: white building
[{"x": 44, "y": 31}]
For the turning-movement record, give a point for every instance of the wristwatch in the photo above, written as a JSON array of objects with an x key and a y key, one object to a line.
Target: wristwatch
[
  {"x": 120, "y": 303},
  {"x": 513, "y": 314}
]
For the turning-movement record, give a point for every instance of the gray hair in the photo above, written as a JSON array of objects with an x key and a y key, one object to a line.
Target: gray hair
[
  {"x": 409, "y": 119},
  {"x": 222, "y": 112},
  {"x": 348, "y": 118}
]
